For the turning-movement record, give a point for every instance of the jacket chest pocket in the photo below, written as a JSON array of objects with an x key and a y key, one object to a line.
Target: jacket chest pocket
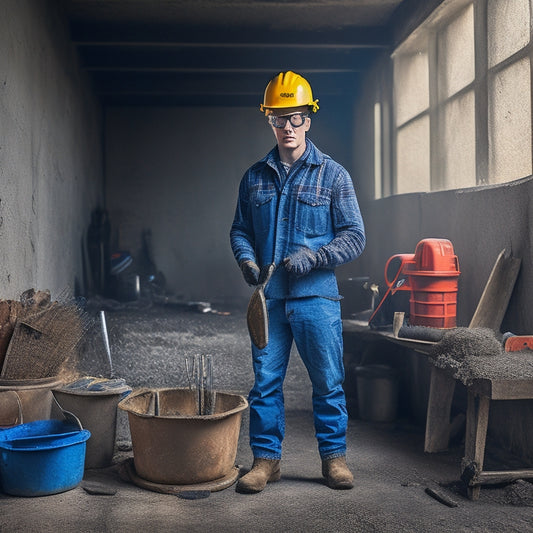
[
  {"x": 263, "y": 215},
  {"x": 313, "y": 213}
]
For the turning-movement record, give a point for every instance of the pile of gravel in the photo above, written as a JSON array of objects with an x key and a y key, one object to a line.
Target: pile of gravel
[
  {"x": 519, "y": 493},
  {"x": 476, "y": 353}
]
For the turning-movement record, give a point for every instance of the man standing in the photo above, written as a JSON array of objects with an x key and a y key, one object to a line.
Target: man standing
[{"x": 297, "y": 209}]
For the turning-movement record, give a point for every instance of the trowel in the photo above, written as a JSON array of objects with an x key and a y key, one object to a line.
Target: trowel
[{"x": 257, "y": 314}]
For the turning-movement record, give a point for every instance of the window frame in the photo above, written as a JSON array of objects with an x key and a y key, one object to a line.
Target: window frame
[{"x": 484, "y": 75}]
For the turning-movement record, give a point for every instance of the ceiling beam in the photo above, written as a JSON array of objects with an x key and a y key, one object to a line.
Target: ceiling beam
[
  {"x": 220, "y": 83},
  {"x": 154, "y": 58},
  {"x": 98, "y": 32},
  {"x": 170, "y": 99},
  {"x": 408, "y": 16}
]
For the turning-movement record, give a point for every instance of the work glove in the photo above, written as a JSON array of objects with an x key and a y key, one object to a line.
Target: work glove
[
  {"x": 250, "y": 272},
  {"x": 301, "y": 262}
]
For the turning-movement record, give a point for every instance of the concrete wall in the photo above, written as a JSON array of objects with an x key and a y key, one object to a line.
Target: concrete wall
[
  {"x": 50, "y": 151},
  {"x": 479, "y": 222},
  {"x": 176, "y": 172}
]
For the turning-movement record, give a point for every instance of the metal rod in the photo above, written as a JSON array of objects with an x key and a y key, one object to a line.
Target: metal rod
[
  {"x": 199, "y": 369},
  {"x": 188, "y": 370},
  {"x": 199, "y": 384},
  {"x": 156, "y": 406},
  {"x": 210, "y": 401},
  {"x": 106, "y": 343}
]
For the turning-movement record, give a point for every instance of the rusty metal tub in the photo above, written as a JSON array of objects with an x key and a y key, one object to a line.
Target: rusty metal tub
[{"x": 175, "y": 446}]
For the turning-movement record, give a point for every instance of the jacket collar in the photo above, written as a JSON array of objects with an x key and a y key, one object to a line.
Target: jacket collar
[{"x": 311, "y": 156}]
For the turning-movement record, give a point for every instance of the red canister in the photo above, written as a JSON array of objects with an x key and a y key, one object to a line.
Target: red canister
[{"x": 432, "y": 273}]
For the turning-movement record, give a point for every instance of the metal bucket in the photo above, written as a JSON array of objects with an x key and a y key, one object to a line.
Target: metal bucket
[
  {"x": 97, "y": 411},
  {"x": 35, "y": 399},
  {"x": 178, "y": 446}
]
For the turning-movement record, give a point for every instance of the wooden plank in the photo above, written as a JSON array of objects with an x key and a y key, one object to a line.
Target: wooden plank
[
  {"x": 512, "y": 389},
  {"x": 504, "y": 389},
  {"x": 503, "y": 476},
  {"x": 477, "y": 419},
  {"x": 493, "y": 303},
  {"x": 440, "y": 399}
]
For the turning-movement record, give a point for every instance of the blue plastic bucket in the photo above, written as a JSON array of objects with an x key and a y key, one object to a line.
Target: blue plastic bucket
[{"x": 42, "y": 457}]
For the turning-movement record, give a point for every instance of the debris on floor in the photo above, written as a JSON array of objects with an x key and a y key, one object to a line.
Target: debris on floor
[
  {"x": 441, "y": 497},
  {"x": 97, "y": 488},
  {"x": 519, "y": 493},
  {"x": 165, "y": 300}
]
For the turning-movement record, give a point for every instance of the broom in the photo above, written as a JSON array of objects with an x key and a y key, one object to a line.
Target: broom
[{"x": 42, "y": 342}]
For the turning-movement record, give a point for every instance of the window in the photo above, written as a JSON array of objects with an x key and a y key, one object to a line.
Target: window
[
  {"x": 510, "y": 123},
  {"x": 412, "y": 164},
  {"x": 508, "y": 28},
  {"x": 411, "y": 106},
  {"x": 378, "y": 137},
  {"x": 411, "y": 83},
  {"x": 509, "y": 90},
  {"x": 382, "y": 135},
  {"x": 462, "y": 98}
]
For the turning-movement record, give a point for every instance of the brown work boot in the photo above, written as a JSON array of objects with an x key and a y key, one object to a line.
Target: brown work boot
[
  {"x": 263, "y": 471},
  {"x": 337, "y": 473}
]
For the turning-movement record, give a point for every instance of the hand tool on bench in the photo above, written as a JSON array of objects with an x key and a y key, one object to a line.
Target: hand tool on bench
[{"x": 516, "y": 343}]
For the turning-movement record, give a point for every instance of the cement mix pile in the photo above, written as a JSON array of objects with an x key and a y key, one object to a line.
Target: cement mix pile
[{"x": 477, "y": 353}]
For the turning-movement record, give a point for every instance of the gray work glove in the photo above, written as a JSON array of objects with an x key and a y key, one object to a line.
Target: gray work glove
[
  {"x": 301, "y": 262},
  {"x": 250, "y": 271}
]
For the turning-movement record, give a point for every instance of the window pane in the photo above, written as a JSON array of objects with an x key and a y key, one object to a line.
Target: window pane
[
  {"x": 510, "y": 123},
  {"x": 458, "y": 165},
  {"x": 456, "y": 54},
  {"x": 412, "y": 157},
  {"x": 411, "y": 85},
  {"x": 378, "y": 193},
  {"x": 508, "y": 28}
]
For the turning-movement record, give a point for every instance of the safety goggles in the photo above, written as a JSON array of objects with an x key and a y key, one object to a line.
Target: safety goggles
[{"x": 296, "y": 120}]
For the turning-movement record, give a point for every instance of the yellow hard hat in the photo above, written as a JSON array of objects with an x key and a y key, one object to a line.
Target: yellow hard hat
[{"x": 288, "y": 89}]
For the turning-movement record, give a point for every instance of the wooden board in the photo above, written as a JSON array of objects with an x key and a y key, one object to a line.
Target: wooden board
[
  {"x": 441, "y": 391},
  {"x": 493, "y": 303}
]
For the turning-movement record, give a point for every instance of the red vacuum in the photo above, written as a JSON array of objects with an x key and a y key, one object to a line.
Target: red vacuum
[{"x": 432, "y": 274}]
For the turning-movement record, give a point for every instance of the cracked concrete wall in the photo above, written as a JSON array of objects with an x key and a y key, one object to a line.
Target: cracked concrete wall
[{"x": 50, "y": 151}]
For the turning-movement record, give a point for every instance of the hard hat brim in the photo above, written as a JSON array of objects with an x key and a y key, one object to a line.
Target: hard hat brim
[{"x": 313, "y": 107}]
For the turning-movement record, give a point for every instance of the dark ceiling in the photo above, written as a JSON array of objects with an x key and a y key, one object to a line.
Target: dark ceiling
[{"x": 223, "y": 52}]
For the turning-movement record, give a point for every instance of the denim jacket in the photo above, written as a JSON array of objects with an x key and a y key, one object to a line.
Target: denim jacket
[{"x": 314, "y": 206}]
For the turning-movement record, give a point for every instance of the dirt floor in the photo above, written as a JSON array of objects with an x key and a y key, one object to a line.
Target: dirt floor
[{"x": 392, "y": 473}]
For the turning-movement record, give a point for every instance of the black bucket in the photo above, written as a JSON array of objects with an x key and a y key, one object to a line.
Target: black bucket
[{"x": 377, "y": 393}]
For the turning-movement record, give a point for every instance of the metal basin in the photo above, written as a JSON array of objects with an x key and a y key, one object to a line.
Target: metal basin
[
  {"x": 34, "y": 399},
  {"x": 173, "y": 445}
]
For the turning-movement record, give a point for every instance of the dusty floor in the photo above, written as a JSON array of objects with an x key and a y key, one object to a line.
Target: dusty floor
[{"x": 392, "y": 472}]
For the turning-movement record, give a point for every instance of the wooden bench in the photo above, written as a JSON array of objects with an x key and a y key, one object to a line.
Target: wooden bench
[
  {"x": 480, "y": 393},
  {"x": 489, "y": 313},
  {"x": 439, "y": 427}
]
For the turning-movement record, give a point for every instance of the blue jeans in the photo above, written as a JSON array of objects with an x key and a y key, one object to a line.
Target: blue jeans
[{"x": 315, "y": 326}]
